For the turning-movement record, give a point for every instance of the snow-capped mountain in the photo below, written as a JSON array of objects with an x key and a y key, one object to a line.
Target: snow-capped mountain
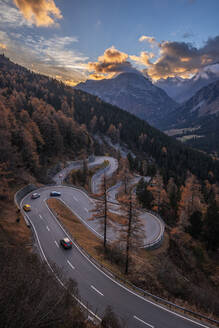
[
  {"x": 133, "y": 92},
  {"x": 182, "y": 89}
]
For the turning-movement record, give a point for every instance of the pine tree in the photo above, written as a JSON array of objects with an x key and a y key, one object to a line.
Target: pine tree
[
  {"x": 196, "y": 224},
  {"x": 144, "y": 196},
  {"x": 84, "y": 172},
  {"x": 211, "y": 227}
]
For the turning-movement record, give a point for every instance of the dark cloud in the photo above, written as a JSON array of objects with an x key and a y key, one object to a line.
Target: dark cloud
[{"x": 183, "y": 59}]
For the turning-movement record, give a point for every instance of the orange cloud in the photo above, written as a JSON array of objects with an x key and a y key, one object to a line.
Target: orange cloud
[
  {"x": 39, "y": 12},
  {"x": 110, "y": 62},
  {"x": 3, "y": 46},
  {"x": 112, "y": 55},
  {"x": 96, "y": 76},
  {"x": 182, "y": 59},
  {"x": 144, "y": 58},
  {"x": 149, "y": 39},
  {"x": 173, "y": 59}
]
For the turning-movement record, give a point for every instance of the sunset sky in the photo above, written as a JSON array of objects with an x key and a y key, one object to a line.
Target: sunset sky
[{"x": 73, "y": 40}]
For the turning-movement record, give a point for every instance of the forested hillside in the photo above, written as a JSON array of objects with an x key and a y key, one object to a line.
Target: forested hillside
[
  {"x": 196, "y": 121},
  {"x": 37, "y": 126},
  {"x": 43, "y": 120}
]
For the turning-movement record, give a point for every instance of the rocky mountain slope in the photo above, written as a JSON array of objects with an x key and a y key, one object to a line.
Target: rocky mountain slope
[
  {"x": 197, "y": 121},
  {"x": 183, "y": 89},
  {"x": 133, "y": 92}
]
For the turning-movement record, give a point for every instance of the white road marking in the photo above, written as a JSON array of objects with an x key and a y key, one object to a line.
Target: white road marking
[
  {"x": 75, "y": 198},
  {"x": 41, "y": 216},
  {"x": 72, "y": 266},
  {"x": 119, "y": 284},
  {"x": 96, "y": 290},
  {"x": 47, "y": 228},
  {"x": 143, "y": 322},
  {"x": 42, "y": 254},
  {"x": 86, "y": 209},
  {"x": 56, "y": 243}
]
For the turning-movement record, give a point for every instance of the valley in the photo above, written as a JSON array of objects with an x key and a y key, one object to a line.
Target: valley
[
  {"x": 109, "y": 164},
  {"x": 84, "y": 125}
]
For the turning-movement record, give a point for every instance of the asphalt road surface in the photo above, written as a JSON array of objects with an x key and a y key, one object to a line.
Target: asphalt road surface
[
  {"x": 154, "y": 228},
  {"x": 96, "y": 288}
]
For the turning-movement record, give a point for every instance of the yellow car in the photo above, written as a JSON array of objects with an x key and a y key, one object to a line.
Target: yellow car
[{"x": 27, "y": 208}]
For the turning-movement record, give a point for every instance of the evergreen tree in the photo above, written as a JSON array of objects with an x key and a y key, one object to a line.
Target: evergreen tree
[
  {"x": 196, "y": 225},
  {"x": 131, "y": 162},
  {"x": 84, "y": 172},
  {"x": 211, "y": 227},
  {"x": 144, "y": 196}
]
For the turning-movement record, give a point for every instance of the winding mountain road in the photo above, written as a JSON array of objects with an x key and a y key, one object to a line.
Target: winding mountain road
[{"x": 97, "y": 289}]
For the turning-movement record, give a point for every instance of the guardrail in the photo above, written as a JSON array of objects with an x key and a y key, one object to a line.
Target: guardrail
[
  {"x": 27, "y": 189},
  {"x": 140, "y": 291},
  {"x": 24, "y": 191},
  {"x": 19, "y": 195},
  {"x": 157, "y": 242},
  {"x": 97, "y": 174}
]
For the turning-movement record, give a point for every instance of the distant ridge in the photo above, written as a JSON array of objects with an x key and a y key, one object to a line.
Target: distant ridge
[
  {"x": 133, "y": 92},
  {"x": 182, "y": 89},
  {"x": 197, "y": 120}
]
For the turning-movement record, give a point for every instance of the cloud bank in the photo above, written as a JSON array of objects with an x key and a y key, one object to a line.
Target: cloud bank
[
  {"x": 183, "y": 59},
  {"x": 171, "y": 59}
]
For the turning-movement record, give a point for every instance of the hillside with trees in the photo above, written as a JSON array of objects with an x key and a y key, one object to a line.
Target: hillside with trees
[
  {"x": 43, "y": 119},
  {"x": 43, "y": 122}
]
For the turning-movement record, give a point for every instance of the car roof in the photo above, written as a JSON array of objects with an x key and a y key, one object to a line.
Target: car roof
[
  {"x": 66, "y": 240},
  {"x": 27, "y": 205}
]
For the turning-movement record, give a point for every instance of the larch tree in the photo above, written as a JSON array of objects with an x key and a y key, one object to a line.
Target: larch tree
[
  {"x": 101, "y": 211},
  {"x": 131, "y": 232}
]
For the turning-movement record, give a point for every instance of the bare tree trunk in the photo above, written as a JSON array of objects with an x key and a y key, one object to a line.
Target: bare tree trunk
[
  {"x": 128, "y": 234},
  {"x": 105, "y": 210},
  {"x": 101, "y": 211}
]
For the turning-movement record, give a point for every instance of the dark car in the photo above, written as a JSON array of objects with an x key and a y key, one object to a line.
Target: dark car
[
  {"x": 66, "y": 243},
  {"x": 55, "y": 193},
  {"x": 35, "y": 195}
]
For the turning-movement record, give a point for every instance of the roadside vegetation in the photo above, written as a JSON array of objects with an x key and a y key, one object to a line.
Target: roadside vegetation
[
  {"x": 82, "y": 177},
  {"x": 165, "y": 272},
  {"x": 43, "y": 123}
]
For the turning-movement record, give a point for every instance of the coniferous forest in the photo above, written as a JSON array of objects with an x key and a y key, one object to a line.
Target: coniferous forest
[
  {"x": 44, "y": 122},
  {"x": 42, "y": 118}
]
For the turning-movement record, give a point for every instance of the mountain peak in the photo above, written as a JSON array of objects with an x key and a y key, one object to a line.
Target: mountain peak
[{"x": 133, "y": 92}]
